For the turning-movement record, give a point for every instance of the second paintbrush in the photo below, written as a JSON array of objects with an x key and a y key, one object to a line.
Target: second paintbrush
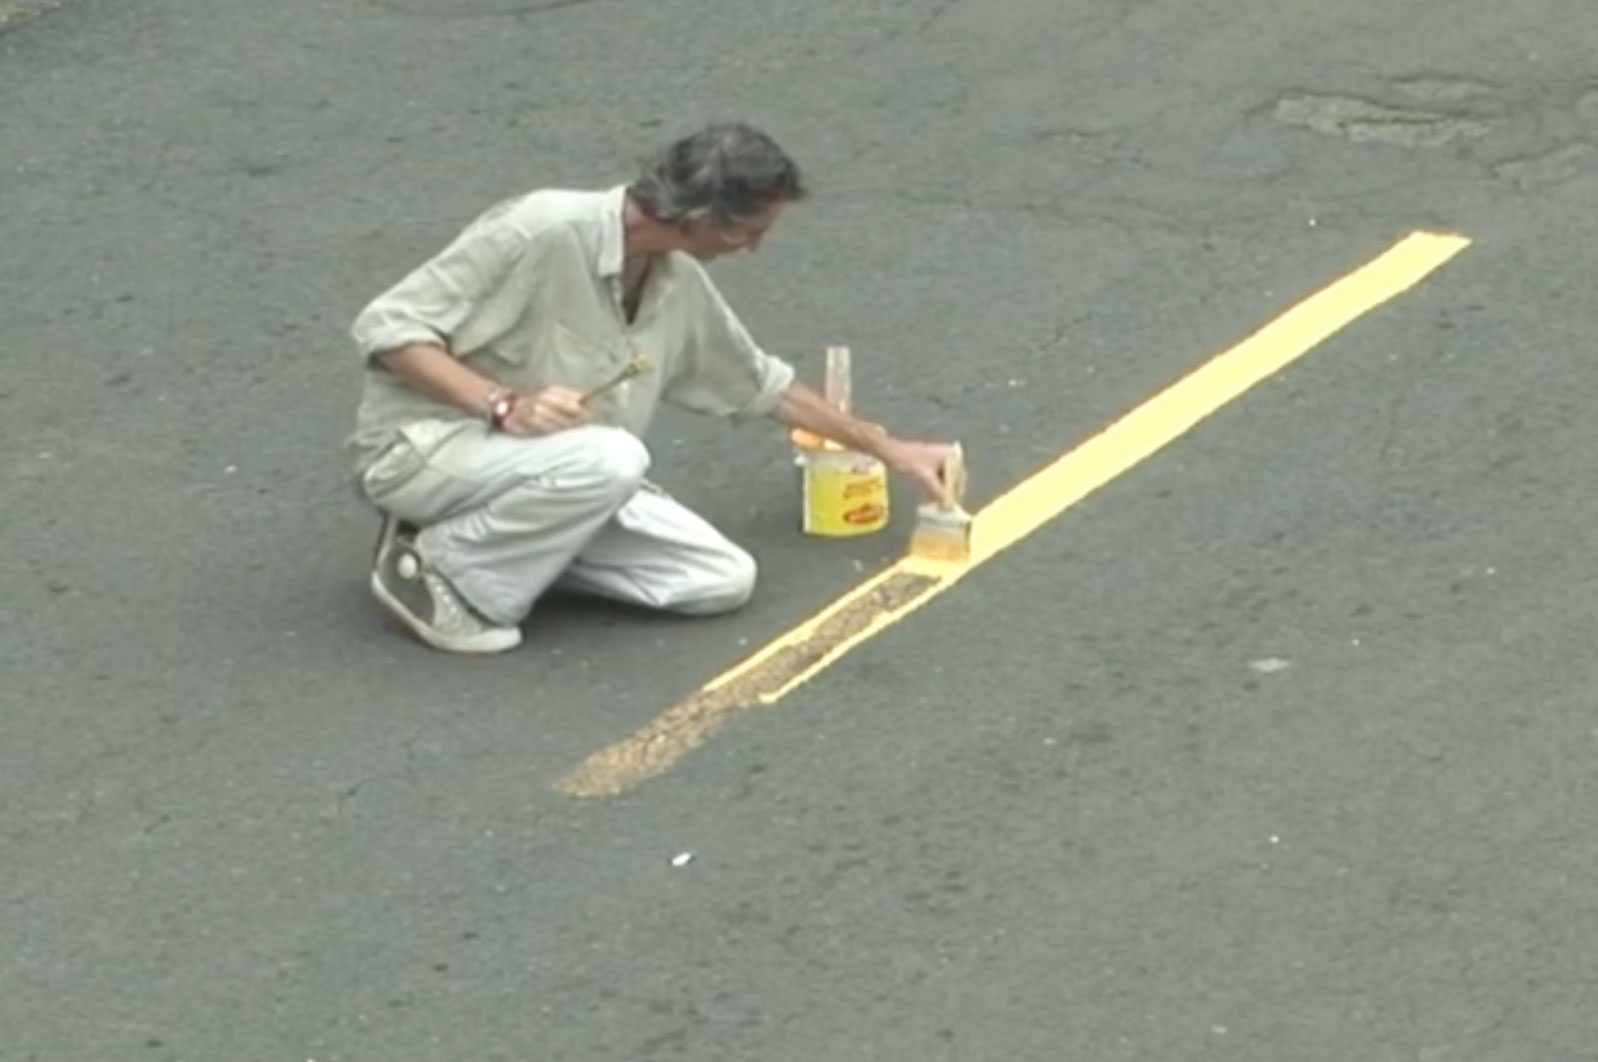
[{"x": 637, "y": 367}]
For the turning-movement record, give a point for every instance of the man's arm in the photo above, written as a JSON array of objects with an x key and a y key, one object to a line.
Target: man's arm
[
  {"x": 799, "y": 406},
  {"x": 449, "y": 293},
  {"x": 435, "y": 372},
  {"x": 728, "y": 373},
  {"x": 432, "y": 370},
  {"x": 406, "y": 330}
]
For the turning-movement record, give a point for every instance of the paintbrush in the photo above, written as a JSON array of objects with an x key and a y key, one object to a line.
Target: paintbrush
[
  {"x": 637, "y": 367},
  {"x": 943, "y": 527}
]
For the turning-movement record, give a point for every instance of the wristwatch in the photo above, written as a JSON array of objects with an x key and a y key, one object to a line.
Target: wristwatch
[{"x": 501, "y": 403}]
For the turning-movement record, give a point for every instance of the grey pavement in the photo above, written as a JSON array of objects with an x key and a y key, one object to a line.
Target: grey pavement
[{"x": 1064, "y": 812}]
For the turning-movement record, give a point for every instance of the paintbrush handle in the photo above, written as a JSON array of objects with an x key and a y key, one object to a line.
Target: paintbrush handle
[
  {"x": 953, "y": 475},
  {"x": 636, "y": 367}
]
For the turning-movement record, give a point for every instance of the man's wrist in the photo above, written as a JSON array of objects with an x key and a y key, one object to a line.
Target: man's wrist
[
  {"x": 868, "y": 438},
  {"x": 883, "y": 447},
  {"x": 499, "y": 405}
]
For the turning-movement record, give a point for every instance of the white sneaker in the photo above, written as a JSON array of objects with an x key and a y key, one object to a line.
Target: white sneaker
[{"x": 425, "y": 602}]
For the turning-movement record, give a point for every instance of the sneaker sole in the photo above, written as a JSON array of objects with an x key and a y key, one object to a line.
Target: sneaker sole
[{"x": 426, "y": 634}]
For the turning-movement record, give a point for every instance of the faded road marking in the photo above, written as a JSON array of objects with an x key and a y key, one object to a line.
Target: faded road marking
[{"x": 794, "y": 658}]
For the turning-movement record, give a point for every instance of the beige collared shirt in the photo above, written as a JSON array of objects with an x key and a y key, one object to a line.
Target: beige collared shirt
[{"x": 529, "y": 294}]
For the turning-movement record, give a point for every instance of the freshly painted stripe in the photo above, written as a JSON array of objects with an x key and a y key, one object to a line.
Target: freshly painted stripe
[{"x": 794, "y": 658}]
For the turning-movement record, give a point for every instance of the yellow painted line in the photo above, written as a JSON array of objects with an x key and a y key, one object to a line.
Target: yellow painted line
[{"x": 792, "y": 659}]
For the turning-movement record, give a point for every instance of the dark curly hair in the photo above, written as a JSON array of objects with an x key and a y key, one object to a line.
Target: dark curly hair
[{"x": 727, "y": 171}]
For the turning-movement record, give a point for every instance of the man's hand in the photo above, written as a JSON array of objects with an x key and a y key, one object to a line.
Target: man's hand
[
  {"x": 547, "y": 411},
  {"x": 921, "y": 462}
]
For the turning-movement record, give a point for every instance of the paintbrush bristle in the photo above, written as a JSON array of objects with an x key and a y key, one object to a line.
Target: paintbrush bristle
[
  {"x": 941, "y": 534},
  {"x": 943, "y": 528}
]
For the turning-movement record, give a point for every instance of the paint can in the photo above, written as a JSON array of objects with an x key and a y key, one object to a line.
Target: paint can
[{"x": 843, "y": 493}]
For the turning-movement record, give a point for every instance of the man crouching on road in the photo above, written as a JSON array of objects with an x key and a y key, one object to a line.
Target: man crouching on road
[{"x": 495, "y": 480}]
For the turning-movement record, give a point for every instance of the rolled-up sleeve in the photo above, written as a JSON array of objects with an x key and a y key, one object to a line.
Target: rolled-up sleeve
[
  {"x": 724, "y": 372},
  {"x": 437, "y": 299}
]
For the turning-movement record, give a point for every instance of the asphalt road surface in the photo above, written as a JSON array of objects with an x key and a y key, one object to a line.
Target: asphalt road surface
[{"x": 1278, "y": 747}]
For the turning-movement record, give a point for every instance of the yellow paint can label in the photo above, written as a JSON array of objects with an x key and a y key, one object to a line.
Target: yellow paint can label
[{"x": 844, "y": 493}]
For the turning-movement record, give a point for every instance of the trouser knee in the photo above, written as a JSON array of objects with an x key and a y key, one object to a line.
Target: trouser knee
[
  {"x": 602, "y": 469},
  {"x": 724, "y": 585},
  {"x": 616, "y": 458}
]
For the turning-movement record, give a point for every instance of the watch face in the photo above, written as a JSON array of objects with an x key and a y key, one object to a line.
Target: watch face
[{"x": 501, "y": 409}]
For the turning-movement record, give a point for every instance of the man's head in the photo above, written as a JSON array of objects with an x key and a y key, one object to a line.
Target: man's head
[{"x": 721, "y": 188}]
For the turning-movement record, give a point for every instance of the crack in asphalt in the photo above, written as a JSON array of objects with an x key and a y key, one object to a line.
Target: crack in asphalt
[
  {"x": 1361, "y": 120},
  {"x": 353, "y": 790}
]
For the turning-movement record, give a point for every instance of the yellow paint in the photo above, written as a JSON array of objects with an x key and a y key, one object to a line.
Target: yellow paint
[
  {"x": 1170, "y": 414},
  {"x": 794, "y": 658},
  {"x": 805, "y": 631}
]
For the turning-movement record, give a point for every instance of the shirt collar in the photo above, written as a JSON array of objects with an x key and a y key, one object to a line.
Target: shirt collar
[{"x": 612, "y": 248}]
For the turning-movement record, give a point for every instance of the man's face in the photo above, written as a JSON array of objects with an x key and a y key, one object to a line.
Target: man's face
[{"x": 708, "y": 240}]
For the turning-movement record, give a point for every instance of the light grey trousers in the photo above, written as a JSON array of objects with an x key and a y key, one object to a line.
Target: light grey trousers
[{"x": 504, "y": 519}]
